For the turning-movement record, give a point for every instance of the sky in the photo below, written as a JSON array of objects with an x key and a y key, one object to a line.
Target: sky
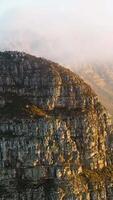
[{"x": 65, "y": 31}]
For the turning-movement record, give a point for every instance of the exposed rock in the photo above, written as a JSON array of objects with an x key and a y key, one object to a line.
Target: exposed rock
[{"x": 56, "y": 138}]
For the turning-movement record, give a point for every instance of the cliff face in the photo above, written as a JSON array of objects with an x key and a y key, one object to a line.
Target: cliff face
[{"x": 55, "y": 136}]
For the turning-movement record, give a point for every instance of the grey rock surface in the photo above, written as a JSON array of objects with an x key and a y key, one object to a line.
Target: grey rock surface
[{"x": 56, "y": 138}]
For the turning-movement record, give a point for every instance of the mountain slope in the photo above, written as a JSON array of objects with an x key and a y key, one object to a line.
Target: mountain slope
[
  {"x": 100, "y": 77},
  {"x": 55, "y": 136}
]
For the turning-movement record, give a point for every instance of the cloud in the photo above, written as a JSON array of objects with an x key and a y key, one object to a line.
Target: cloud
[{"x": 67, "y": 32}]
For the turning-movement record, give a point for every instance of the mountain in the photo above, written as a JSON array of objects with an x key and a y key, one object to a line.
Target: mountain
[
  {"x": 100, "y": 77},
  {"x": 55, "y": 136}
]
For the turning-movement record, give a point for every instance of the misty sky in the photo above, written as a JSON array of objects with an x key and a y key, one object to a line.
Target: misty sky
[{"x": 66, "y": 31}]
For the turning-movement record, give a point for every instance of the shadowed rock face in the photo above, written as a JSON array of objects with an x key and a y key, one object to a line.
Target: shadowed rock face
[{"x": 55, "y": 136}]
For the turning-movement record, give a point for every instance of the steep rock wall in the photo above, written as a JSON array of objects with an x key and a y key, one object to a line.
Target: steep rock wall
[{"x": 55, "y": 136}]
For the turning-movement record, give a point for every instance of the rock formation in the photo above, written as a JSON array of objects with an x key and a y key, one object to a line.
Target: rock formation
[{"x": 56, "y": 138}]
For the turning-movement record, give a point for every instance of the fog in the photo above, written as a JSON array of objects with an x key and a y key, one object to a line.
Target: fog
[{"x": 66, "y": 31}]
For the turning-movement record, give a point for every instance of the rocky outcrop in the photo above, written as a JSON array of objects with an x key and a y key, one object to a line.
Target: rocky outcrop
[{"x": 55, "y": 136}]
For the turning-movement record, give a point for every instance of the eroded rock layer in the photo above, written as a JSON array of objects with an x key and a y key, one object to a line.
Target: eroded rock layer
[{"x": 56, "y": 138}]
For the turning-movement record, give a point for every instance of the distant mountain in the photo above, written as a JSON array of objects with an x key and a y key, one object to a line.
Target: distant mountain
[{"x": 100, "y": 77}]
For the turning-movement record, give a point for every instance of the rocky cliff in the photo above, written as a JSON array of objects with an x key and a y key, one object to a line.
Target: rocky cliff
[{"x": 56, "y": 138}]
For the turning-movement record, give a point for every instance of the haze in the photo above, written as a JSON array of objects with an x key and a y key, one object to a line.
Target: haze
[{"x": 66, "y": 31}]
